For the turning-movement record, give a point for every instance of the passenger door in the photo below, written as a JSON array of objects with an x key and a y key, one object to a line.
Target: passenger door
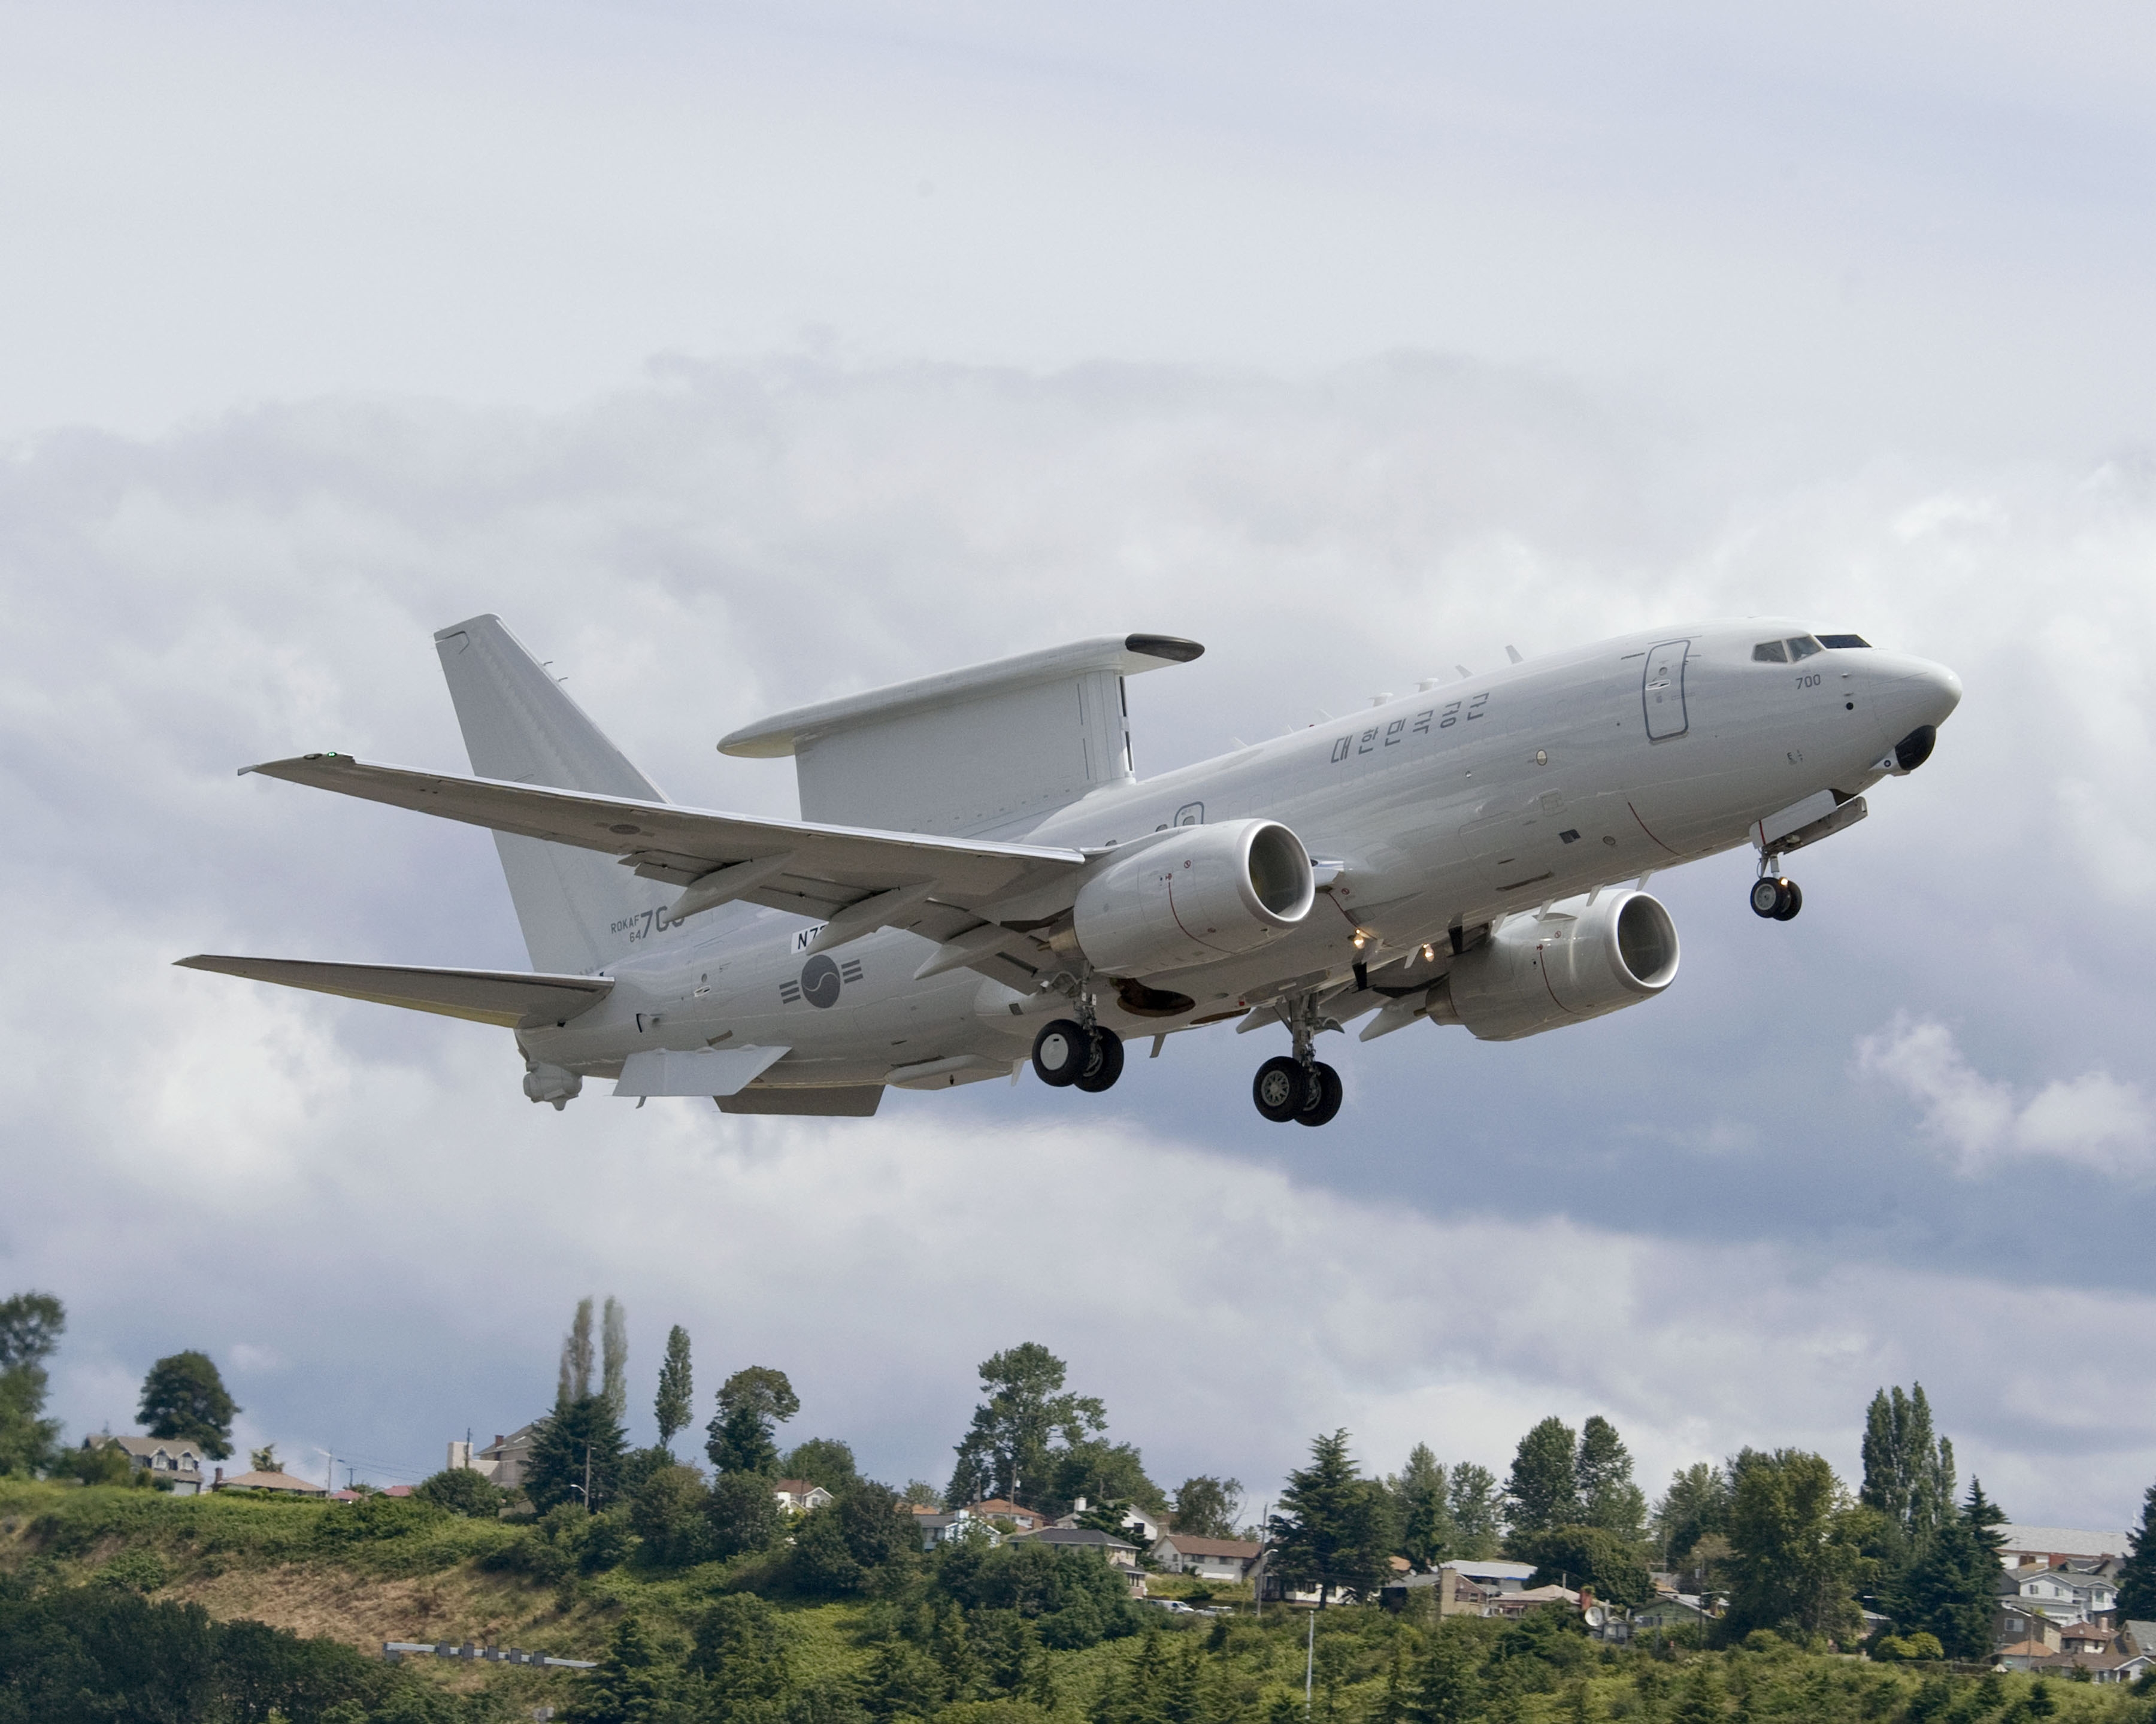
[{"x": 1662, "y": 691}]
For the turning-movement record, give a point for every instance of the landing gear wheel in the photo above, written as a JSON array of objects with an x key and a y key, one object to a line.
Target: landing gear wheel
[
  {"x": 1775, "y": 897},
  {"x": 1322, "y": 1098},
  {"x": 1280, "y": 1088},
  {"x": 1061, "y": 1052},
  {"x": 1106, "y": 1065}
]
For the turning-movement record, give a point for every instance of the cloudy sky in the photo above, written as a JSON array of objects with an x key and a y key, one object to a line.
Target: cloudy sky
[{"x": 740, "y": 356}]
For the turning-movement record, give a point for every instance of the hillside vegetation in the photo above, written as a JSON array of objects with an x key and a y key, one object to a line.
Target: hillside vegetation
[{"x": 109, "y": 1586}]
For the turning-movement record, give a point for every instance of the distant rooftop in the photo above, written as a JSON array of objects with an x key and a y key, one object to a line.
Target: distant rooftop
[{"x": 2063, "y": 1542}]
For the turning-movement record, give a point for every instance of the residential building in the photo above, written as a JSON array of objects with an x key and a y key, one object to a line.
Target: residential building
[
  {"x": 2017, "y": 1623},
  {"x": 1225, "y": 1559},
  {"x": 172, "y": 1463},
  {"x": 796, "y": 1496},
  {"x": 2063, "y": 1594},
  {"x": 935, "y": 1528},
  {"x": 999, "y": 1508},
  {"x": 270, "y": 1483},
  {"x": 1465, "y": 1588},
  {"x": 2088, "y": 1637},
  {"x": 502, "y": 1462},
  {"x": 1519, "y": 1604},
  {"x": 1118, "y": 1553},
  {"x": 2021, "y": 1655},
  {"x": 2055, "y": 1546},
  {"x": 2136, "y": 1637}
]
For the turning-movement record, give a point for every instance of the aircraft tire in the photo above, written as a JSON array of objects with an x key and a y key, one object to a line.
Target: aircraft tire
[
  {"x": 1795, "y": 896},
  {"x": 1061, "y": 1052},
  {"x": 1324, "y": 1097},
  {"x": 1768, "y": 896},
  {"x": 1280, "y": 1089},
  {"x": 1106, "y": 1066}
]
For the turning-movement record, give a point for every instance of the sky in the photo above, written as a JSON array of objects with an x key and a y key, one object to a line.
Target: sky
[{"x": 740, "y": 356}]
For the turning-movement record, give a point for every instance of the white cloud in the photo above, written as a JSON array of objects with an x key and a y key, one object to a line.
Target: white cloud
[{"x": 2093, "y": 1120}]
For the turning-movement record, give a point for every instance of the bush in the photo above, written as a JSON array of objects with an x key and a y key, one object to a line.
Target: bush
[
  {"x": 137, "y": 1569},
  {"x": 105, "y": 1465},
  {"x": 743, "y": 1514},
  {"x": 461, "y": 1491},
  {"x": 667, "y": 1514}
]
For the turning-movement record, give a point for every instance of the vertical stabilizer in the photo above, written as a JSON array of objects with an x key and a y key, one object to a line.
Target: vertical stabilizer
[{"x": 521, "y": 725}]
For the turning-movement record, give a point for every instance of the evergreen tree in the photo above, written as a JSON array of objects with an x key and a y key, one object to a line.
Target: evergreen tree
[
  {"x": 2136, "y": 1577},
  {"x": 1447, "y": 1688},
  {"x": 1425, "y": 1516},
  {"x": 183, "y": 1397},
  {"x": 1950, "y": 1591},
  {"x": 1543, "y": 1490},
  {"x": 1699, "y": 1701},
  {"x": 30, "y": 1328},
  {"x": 1334, "y": 1530},
  {"x": 744, "y": 1514},
  {"x": 634, "y": 1684},
  {"x": 752, "y": 1404},
  {"x": 576, "y": 1448},
  {"x": 1603, "y": 1475},
  {"x": 1696, "y": 1503},
  {"x": 1984, "y": 1517},
  {"x": 676, "y": 1398},
  {"x": 613, "y": 1357},
  {"x": 1007, "y": 1449},
  {"x": 1477, "y": 1515}
]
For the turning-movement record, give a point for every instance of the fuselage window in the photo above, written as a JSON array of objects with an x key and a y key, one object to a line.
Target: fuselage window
[
  {"x": 1843, "y": 640},
  {"x": 1771, "y": 652},
  {"x": 1802, "y": 647}
]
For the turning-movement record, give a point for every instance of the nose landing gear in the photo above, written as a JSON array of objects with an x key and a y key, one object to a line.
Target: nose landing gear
[
  {"x": 1775, "y": 897},
  {"x": 1295, "y": 1086}
]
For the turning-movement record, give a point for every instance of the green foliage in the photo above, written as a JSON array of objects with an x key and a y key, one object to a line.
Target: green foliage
[
  {"x": 1588, "y": 1556},
  {"x": 634, "y": 1684},
  {"x": 614, "y": 1358},
  {"x": 2137, "y": 1576},
  {"x": 462, "y": 1491},
  {"x": 752, "y": 1404},
  {"x": 825, "y": 1461},
  {"x": 183, "y": 1398},
  {"x": 742, "y": 1514},
  {"x": 1101, "y": 1472},
  {"x": 1206, "y": 1507},
  {"x": 675, "y": 1403},
  {"x": 1949, "y": 1592},
  {"x": 1919, "y": 1645},
  {"x": 140, "y": 1570},
  {"x": 1335, "y": 1527},
  {"x": 1696, "y": 1504},
  {"x": 30, "y": 1328},
  {"x": 1071, "y": 1598},
  {"x": 1026, "y": 1411},
  {"x": 669, "y": 1513},
  {"x": 1799, "y": 1558},
  {"x": 1602, "y": 1473},
  {"x": 1543, "y": 1489},
  {"x": 104, "y": 1464},
  {"x": 1448, "y": 1683},
  {"x": 575, "y": 1381},
  {"x": 1478, "y": 1510},
  {"x": 861, "y": 1542},
  {"x": 740, "y": 1653},
  {"x": 1908, "y": 1470},
  {"x": 577, "y": 1447},
  {"x": 1424, "y": 1517}
]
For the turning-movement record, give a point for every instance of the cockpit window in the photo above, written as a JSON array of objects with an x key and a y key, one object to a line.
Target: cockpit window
[
  {"x": 1802, "y": 647},
  {"x": 1771, "y": 652},
  {"x": 1843, "y": 640}
]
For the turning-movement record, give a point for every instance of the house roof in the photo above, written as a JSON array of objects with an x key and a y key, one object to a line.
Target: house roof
[
  {"x": 2024, "y": 1648},
  {"x": 2063, "y": 1540},
  {"x": 988, "y": 1507},
  {"x": 1491, "y": 1570},
  {"x": 145, "y": 1447},
  {"x": 275, "y": 1482},
  {"x": 1242, "y": 1549},
  {"x": 1086, "y": 1537},
  {"x": 2143, "y": 1634},
  {"x": 798, "y": 1487}
]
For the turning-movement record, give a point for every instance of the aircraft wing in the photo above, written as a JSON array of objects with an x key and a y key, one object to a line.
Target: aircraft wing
[
  {"x": 506, "y": 997},
  {"x": 855, "y": 879}
]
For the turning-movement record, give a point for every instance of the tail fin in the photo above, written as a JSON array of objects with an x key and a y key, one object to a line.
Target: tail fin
[{"x": 519, "y": 725}]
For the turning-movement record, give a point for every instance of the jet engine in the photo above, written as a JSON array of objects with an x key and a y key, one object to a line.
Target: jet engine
[
  {"x": 1198, "y": 894},
  {"x": 1576, "y": 961}
]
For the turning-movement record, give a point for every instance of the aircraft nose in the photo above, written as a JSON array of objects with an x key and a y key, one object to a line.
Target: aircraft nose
[
  {"x": 1917, "y": 697},
  {"x": 1936, "y": 688}
]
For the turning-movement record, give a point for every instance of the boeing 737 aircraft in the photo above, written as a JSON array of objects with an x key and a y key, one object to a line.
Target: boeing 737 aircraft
[{"x": 978, "y": 874}]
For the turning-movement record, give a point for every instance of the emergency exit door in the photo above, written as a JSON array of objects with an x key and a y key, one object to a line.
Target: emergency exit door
[{"x": 1663, "y": 691}]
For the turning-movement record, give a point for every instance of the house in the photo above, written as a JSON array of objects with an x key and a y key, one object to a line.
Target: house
[
  {"x": 2055, "y": 1546},
  {"x": 2021, "y": 1655},
  {"x": 1119, "y": 1553},
  {"x": 2100, "y": 1666},
  {"x": 1519, "y": 1604},
  {"x": 796, "y": 1496},
  {"x": 1226, "y": 1559},
  {"x": 1464, "y": 1587},
  {"x": 271, "y": 1484},
  {"x": 1145, "y": 1526},
  {"x": 2088, "y": 1637},
  {"x": 1670, "y": 1612},
  {"x": 172, "y": 1463},
  {"x": 935, "y": 1528},
  {"x": 999, "y": 1508},
  {"x": 2017, "y": 1622},
  {"x": 502, "y": 1462},
  {"x": 2063, "y": 1594},
  {"x": 2136, "y": 1637}
]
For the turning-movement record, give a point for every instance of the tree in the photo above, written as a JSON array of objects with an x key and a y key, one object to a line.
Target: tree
[
  {"x": 462, "y": 1491},
  {"x": 825, "y": 1461},
  {"x": 1425, "y": 1518},
  {"x": 575, "y": 1378},
  {"x": 1984, "y": 1517},
  {"x": 1100, "y": 1471},
  {"x": 1908, "y": 1470},
  {"x": 1798, "y": 1558},
  {"x": 578, "y": 1446},
  {"x": 1447, "y": 1688},
  {"x": 667, "y": 1511},
  {"x": 30, "y": 1328},
  {"x": 744, "y": 1515},
  {"x": 1602, "y": 1470},
  {"x": 1334, "y": 1530},
  {"x": 752, "y": 1402},
  {"x": 2137, "y": 1576},
  {"x": 183, "y": 1397},
  {"x": 1696, "y": 1503},
  {"x": 1477, "y": 1515},
  {"x": 1950, "y": 1590},
  {"x": 1591, "y": 1557},
  {"x": 1006, "y": 1448},
  {"x": 614, "y": 1358},
  {"x": 1206, "y": 1507},
  {"x": 1543, "y": 1490},
  {"x": 634, "y": 1684},
  {"x": 676, "y": 1399}
]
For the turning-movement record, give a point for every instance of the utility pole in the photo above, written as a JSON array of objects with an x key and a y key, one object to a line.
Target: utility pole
[
  {"x": 587, "y": 1478},
  {"x": 1309, "y": 1655}
]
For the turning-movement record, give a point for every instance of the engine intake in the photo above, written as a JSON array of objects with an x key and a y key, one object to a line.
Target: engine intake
[
  {"x": 1579, "y": 961},
  {"x": 1198, "y": 894}
]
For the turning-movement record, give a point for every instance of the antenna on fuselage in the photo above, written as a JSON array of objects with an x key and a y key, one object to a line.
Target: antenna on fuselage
[{"x": 1513, "y": 653}]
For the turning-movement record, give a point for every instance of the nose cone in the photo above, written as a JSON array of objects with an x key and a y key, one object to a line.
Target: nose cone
[
  {"x": 1913, "y": 698},
  {"x": 1935, "y": 691}
]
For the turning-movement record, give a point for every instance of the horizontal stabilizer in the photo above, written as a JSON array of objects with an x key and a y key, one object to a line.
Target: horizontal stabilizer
[
  {"x": 506, "y": 997},
  {"x": 695, "y": 1071}
]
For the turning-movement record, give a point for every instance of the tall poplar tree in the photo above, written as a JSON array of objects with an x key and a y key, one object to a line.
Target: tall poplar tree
[
  {"x": 614, "y": 1358},
  {"x": 676, "y": 1400}
]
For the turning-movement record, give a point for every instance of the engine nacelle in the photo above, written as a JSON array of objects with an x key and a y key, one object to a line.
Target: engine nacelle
[
  {"x": 1198, "y": 894},
  {"x": 1579, "y": 961}
]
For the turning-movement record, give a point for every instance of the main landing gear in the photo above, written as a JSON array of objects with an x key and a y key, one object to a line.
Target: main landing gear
[
  {"x": 1775, "y": 897},
  {"x": 1067, "y": 1054},
  {"x": 1294, "y": 1086}
]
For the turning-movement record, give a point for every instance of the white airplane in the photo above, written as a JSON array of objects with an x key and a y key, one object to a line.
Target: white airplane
[{"x": 979, "y": 873}]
